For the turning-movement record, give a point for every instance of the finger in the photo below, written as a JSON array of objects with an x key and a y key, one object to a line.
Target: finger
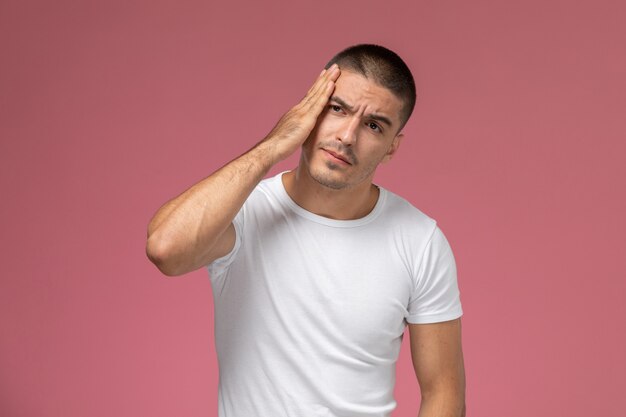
[
  {"x": 316, "y": 104},
  {"x": 322, "y": 99},
  {"x": 325, "y": 89},
  {"x": 314, "y": 88},
  {"x": 324, "y": 75},
  {"x": 316, "y": 84},
  {"x": 319, "y": 88},
  {"x": 333, "y": 75}
]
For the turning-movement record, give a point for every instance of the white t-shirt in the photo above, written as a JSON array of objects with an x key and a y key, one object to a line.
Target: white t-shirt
[{"x": 310, "y": 312}]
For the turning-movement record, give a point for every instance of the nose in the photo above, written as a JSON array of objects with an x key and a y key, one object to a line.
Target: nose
[{"x": 347, "y": 133}]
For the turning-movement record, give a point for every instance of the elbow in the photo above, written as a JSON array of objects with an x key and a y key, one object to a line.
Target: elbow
[
  {"x": 450, "y": 400},
  {"x": 159, "y": 253}
]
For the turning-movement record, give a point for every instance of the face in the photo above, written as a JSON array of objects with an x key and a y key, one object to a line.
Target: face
[{"x": 357, "y": 131}]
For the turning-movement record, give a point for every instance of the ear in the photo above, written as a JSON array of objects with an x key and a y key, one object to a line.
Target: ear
[{"x": 393, "y": 147}]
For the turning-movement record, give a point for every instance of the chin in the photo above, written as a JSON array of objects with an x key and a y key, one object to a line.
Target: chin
[
  {"x": 331, "y": 183},
  {"x": 330, "y": 177}
]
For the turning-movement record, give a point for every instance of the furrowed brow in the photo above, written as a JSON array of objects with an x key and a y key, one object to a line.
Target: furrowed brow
[
  {"x": 379, "y": 118},
  {"x": 373, "y": 116},
  {"x": 342, "y": 103}
]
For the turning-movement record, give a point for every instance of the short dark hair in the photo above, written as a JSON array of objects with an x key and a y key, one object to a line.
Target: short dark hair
[{"x": 384, "y": 67}]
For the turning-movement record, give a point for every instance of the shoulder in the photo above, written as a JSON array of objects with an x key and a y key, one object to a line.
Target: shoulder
[
  {"x": 400, "y": 213},
  {"x": 268, "y": 189},
  {"x": 266, "y": 203}
]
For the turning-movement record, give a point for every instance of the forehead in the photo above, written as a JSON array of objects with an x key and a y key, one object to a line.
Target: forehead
[{"x": 367, "y": 96}]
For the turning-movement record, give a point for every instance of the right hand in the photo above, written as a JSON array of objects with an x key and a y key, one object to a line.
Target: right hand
[{"x": 295, "y": 126}]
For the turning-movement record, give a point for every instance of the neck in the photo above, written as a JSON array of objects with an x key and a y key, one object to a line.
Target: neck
[{"x": 344, "y": 204}]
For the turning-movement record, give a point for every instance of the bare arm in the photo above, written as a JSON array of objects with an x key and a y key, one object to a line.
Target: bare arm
[
  {"x": 195, "y": 228},
  {"x": 438, "y": 361}
]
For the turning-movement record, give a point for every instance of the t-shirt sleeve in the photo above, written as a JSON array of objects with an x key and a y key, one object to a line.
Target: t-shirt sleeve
[
  {"x": 435, "y": 296},
  {"x": 219, "y": 266}
]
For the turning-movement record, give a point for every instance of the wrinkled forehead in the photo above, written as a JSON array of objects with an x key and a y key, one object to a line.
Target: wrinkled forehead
[{"x": 367, "y": 96}]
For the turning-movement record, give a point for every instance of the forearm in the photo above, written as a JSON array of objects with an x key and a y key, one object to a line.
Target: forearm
[{"x": 184, "y": 231}]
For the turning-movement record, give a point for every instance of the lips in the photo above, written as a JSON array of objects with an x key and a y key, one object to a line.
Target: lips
[{"x": 338, "y": 156}]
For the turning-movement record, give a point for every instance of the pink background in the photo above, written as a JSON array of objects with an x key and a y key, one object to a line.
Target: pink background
[{"x": 517, "y": 146}]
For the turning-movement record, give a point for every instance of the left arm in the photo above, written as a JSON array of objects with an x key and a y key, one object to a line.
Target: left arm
[{"x": 438, "y": 361}]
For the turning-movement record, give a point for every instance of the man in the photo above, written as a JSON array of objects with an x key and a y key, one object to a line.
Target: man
[{"x": 317, "y": 271}]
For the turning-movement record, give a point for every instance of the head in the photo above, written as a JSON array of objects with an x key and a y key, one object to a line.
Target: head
[
  {"x": 361, "y": 125},
  {"x": 385, "y": 68}
]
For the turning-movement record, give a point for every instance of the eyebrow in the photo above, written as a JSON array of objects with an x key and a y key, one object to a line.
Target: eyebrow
[{"x": 373, "y": 116}]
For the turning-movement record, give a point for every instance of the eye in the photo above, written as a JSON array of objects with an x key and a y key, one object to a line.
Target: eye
[
  {"x": 335, "y": 108},
  {"x": 374, "y": 126}
]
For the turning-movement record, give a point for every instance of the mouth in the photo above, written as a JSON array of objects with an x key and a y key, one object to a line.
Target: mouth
[{"x": 337, "y": 157}]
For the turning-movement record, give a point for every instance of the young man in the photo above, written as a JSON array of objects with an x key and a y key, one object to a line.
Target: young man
[{"x": 317, "y": 271}]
